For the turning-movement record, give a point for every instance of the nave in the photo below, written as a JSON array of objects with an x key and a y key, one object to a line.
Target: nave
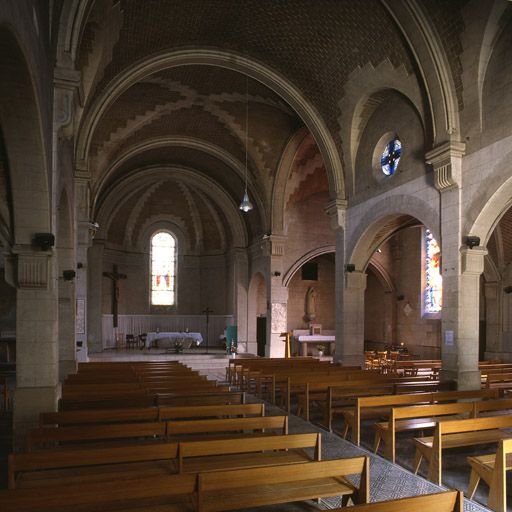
[{"x": 387, "y": 481}]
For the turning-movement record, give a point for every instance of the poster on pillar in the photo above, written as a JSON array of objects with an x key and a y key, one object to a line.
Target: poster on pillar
[
  {"x": 80, "y": 316},
  {"x": 278, "y": 317}
]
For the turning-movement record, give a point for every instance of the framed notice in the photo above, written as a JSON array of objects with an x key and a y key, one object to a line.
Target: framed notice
[{"x": 80, "y": 316}]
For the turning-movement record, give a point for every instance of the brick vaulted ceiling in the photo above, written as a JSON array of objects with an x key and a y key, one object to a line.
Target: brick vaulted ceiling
[{"x": 315, "y": 44}]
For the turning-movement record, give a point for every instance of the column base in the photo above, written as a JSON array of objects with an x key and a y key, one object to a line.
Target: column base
[
  {"x": 28, "y": 404},
  {"x": 67, "y": 368},
  {"x": 350, "y": 360},
  {"x": 465, "y": 380}
]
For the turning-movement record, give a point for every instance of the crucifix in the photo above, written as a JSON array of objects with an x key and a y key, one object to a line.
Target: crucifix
[
  {"x": 114, "y": 276},
  {"x": 207, "y": 312}
]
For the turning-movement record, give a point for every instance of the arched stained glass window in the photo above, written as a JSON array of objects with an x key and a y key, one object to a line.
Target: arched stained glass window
[
  {"x": 433, "y": 293},
  {"x": 163, "y": 269},
  {"x": 391, "y": 156}
]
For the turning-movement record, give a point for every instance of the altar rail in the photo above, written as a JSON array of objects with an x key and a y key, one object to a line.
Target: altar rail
[{"x": 137, "y": 324}]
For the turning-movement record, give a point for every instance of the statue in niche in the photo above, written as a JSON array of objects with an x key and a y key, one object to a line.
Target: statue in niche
[{"x": 311, "y": 296}]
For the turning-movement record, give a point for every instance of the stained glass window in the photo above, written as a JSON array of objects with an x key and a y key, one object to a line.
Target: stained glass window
[
  {"x": 433, "y": 294},
  {"x": 391, "y": 156},
  {"x": 163, "y": 265}
]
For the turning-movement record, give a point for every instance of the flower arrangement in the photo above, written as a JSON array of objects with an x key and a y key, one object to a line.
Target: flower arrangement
[
  {"x": 320, "y": 348},
  {"x": 178, "y": 345}
]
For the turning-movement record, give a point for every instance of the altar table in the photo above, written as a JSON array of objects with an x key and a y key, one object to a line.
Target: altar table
[
  {"x": 190, "y": 337},
  {"x": 316, "y": 339}
]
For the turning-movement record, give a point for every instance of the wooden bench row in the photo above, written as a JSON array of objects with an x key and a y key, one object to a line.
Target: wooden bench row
[
  {"x": 44, "y": 436},
  {"x": 205, "y": 492}
]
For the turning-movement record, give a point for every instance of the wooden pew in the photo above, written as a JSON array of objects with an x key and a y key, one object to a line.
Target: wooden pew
[
  {"x": 176, "y": 492},
  {"x": 37, "y": 437},
  {"x": 500, "y": 380},
  {"x": 148, "y": 414},
  {"x": 455, "y": 434},
  {"x": 202, "y": 411},
  {"x": 240, "y": 488},
  {"x": 233, "y": 397},
  {"x": 210, "y": 455},
  {"x": 79, "y": 465},
  {"x": 100, "y": 432},
  {"x": 492, "y": 469},
  {"x": 226, "y": 425},
  {"x": 407, "y": 419},
  {"x": 447, "y": 501},
  {"x": 378, "y": 406}
]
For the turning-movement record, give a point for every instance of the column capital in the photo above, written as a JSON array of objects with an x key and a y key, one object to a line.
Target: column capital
[
  {"x": 446, "y": 159},
  {"x": 472, "y": 260},
  {"x": 336, "y": 210},
  {"x": 32, "y": 267},
  {"x": 275, "y": 244},
  {"x": 356, "y": 280}
]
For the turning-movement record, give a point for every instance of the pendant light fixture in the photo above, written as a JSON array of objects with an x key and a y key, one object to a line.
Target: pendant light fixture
[{"x": 246, "y": 205}]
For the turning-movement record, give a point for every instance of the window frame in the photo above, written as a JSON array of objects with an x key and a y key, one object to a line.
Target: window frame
[{"x": 163, "y": 307}]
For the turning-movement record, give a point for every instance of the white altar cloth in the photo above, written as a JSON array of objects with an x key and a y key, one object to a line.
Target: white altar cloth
[
  {"x": 152, "y": 336},
  {"x": 304, "y": 339}
]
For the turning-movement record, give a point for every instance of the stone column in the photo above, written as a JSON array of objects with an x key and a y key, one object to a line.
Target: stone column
[
  {"x": 94, "y": 296},
  {"x": 240, "y": 264},
  {"x": 349, "y": 292},
  {"x": 85, "y": 231},
  {"x": 461, "y": 269},
  {"x": 277, "y": 297},
  {"x": 36, "y": 339},
  {"x": 493, "y": 320}
]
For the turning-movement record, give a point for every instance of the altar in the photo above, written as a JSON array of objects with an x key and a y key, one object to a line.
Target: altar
[
  {"x": 167, "y": 339},
  {"x": 315, "y": 339}
]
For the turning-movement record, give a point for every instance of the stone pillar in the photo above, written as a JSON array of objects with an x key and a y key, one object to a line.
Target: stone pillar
[
  {"x": 493, "y": 320},
  {"x": 240, "y": 264},
  {"x": 85, "y": 231},
  {"x": 349, "y": 292},
  {"x": 36, "y": 339},
  {"x": 277, "y": 297},
  {"x": 94, "y": 296},
  {"x": 461, "y": 269}
]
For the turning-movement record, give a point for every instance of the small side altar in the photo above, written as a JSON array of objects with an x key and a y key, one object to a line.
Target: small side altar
[{"x": 315, "y": 339}]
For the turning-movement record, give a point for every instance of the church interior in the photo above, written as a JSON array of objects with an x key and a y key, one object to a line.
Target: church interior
[{"x": 225, "y": 219}]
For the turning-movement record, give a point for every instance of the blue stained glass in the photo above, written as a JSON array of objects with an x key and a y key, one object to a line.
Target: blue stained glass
[
  {"x": 433, "y": 292},
  {"x": 391, "y": 156}
]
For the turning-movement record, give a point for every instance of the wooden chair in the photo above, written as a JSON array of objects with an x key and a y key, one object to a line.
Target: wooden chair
[
  {"x": 131, "y": 342},
  {"x": 492, "y": 469}
]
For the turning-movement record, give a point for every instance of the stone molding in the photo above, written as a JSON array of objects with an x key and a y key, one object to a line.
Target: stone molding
[
  {"x": 33, "y": 269},
  {"x": 355, "y": 280},
  {"x": 446, "y": 160},
  {"x": 337, "y": 212},
  {"x": 472, "y": 260}
]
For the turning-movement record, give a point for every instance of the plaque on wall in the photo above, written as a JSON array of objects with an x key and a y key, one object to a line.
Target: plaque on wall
[{"x": 80, "y": 316}]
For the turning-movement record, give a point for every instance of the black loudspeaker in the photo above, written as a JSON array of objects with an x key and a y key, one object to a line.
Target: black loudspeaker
[
  {"x": 310, "y": 271},
  {"x": 507, "y": 289},
  {"x": 44, "y": 240},
  {"x": 350, "y": 267},
  {"x": 68, "y": 275},
  {"x": 472, "y": 241}
]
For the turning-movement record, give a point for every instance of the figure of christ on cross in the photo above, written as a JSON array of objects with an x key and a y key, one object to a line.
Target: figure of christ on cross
[
  {"x": 207, "y": 312},
  {"x": 114, "y": 276}
]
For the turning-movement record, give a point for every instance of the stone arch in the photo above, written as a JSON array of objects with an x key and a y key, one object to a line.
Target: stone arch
[
  {"x": 190, "y": 143},
  {"x": 377, "y": 225},
  {"x": 295, "y": 267},
  {"x": 138, "y": 180},
  {"x": 283, "y": 172},
  {"x": 278, "y": 83},
  {"x": 256, "y": 306},
  {"x": 433, "y": 66},
  {"x": 66, "y": 288},
  {"x": 22, "y": 129}
]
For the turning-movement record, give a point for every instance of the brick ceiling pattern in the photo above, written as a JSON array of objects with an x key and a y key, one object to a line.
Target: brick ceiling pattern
[
  {"x": 316, "y": 44},
  {"x": 447, "y": 18}
]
